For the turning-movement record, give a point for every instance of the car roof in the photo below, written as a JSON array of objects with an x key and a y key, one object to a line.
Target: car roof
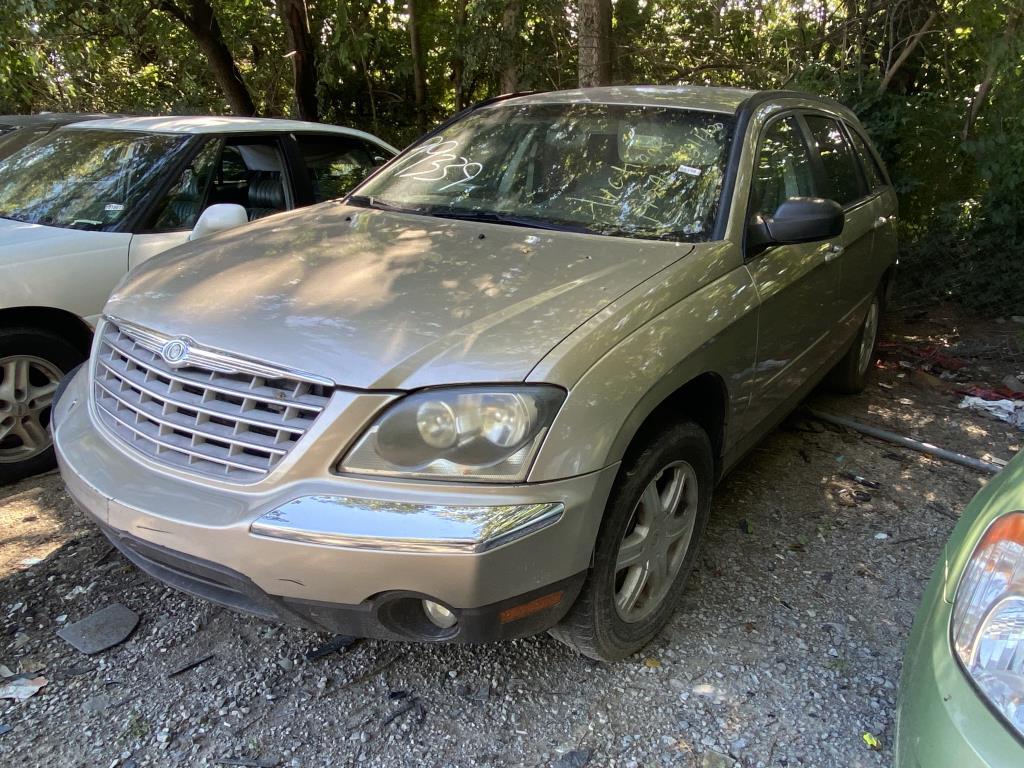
[
  {"x": 219, "y": 124},
  {"x": 696, "y": 97},
  {"x": 53, "y": 119},
  {"x": 688, "y": 96}
]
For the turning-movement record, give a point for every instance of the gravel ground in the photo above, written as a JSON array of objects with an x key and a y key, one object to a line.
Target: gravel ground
[{"x": 785, "y": 652}]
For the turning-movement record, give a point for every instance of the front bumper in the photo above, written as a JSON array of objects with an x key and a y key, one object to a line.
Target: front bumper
[
  {"x": 338, "y": 553},
  {"x": 941, "y": 720}
]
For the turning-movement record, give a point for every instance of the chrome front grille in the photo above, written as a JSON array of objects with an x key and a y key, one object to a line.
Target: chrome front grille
[{"x": 210, "y": 413}]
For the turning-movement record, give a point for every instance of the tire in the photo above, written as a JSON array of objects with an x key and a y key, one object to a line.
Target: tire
[
  {"x": 33, "y": 363},
  {"x": 604, "y": 623},
  {"x": 850, "y": 375}
]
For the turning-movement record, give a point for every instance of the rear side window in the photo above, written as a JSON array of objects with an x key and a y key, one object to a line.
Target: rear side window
[
  {"x": 337, "y": 163},
  {"x": 841, "y": 174},
  {"x": 250, "y": 173},
  {"x": 867, "y": 160},
  {"x": 783, "y": 168}
]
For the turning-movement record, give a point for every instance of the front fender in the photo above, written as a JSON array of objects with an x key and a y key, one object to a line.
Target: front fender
[{"x": 713, "y": 329}]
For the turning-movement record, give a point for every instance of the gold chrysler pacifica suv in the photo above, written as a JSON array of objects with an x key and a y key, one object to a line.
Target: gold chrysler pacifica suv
[{"x": 491, "y": 391}]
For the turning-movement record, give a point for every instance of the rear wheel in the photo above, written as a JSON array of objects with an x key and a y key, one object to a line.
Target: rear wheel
[
  {"x": 646, "y": 546},
  {"x": 32, "y": 365},
  {"x": 850, "y": 375}
]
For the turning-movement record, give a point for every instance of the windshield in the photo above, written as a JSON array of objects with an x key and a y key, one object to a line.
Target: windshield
[
  {"x": 647, "y": 172},
  {"x": 84, "y": 179}
]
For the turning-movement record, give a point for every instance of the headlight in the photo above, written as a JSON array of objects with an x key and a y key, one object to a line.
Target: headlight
[
  {"x": 478, "y": 433},
  {"x": 988, "y": 617}
]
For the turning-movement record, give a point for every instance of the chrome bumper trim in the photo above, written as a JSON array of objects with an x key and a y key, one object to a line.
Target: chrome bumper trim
[{"x": 344, "y": 522}]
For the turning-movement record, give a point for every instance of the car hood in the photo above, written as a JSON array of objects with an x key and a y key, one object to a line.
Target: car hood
[
  {"x": 24, "y": 242},
  {"x": 382, "y": 300}
]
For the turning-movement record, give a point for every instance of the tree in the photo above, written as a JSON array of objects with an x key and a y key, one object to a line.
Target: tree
[
  {"x": 510, "y": 17},
  {"x": 301, "y": 51},
  {"x": 594, "y": 35},
  {"x": 419, "y": 62},
  {"x": 198, "y": 18},
  {"x": 458, "y": 55}
]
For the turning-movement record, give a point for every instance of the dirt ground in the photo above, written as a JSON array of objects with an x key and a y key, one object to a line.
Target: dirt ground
[{"x": 786, "y": 651}]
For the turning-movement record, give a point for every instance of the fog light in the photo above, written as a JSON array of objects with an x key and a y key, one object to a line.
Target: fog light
[{"x": 439, "y": 615}]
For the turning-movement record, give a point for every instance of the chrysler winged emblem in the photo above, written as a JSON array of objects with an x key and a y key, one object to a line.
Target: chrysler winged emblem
[{"x": 175, "y": 351}]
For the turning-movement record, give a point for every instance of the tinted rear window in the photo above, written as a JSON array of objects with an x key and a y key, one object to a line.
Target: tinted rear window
[
  {"x": 872, "y": 172},
  {"x": 841, "y": 173}
]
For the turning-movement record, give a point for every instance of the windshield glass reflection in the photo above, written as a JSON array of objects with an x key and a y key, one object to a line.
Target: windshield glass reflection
[
  {"x": 84, "y": 179},
  {"x": 632, "y": 171}
]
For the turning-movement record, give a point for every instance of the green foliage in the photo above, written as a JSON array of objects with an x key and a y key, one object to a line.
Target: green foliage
[{"x": 938, "y": 83}]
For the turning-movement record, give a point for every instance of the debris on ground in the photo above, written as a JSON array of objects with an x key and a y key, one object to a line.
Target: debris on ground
[
  {"x": 190, "y": 665},
  {"x": 1010, "y": 411},
  {"x": 21, "y": 687},
  {"x": 1012, "y": 383},
  {"x": 574, "y": 758},
  {"x": 334, "y": 645},
  {"x": 988, "y": 393},
  {"x": 861, "y": 480},
  {"x": 712, "y": 759},
  {"x": 101, "y": 630},
  {"x": 908, "y": 442},
  {"x": 260, "y": 762}
]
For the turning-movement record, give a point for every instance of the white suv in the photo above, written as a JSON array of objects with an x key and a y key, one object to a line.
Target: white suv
[{"x": 90, "y": 201}]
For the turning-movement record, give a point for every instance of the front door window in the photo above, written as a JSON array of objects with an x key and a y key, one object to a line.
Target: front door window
[{"x": 783, "y": 168}]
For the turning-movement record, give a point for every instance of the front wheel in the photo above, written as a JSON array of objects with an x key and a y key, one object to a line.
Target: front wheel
[
  {"x": 32, "y": 365},
  {"x": 646, "y": 546}
]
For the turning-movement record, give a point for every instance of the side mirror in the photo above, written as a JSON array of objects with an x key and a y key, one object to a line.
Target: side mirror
[
  {"x": 797, "y": 220},
  {"x": 218, "y": 218}
]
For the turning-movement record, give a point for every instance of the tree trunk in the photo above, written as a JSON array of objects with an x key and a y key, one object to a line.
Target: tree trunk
[
  {"x": 510, "y": 45},
  {"x": 303, "y": 55},
  {"x": 594, "y": 42},
  {"x": 908, "y": 49},
  {"x": 991, "y": 70},
  {"x": 199, "y": 19},
  {"x": 419, "y": 64},
  {"x": 458, "y": 61}
]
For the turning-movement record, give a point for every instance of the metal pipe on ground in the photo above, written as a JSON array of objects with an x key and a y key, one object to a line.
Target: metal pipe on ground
[{"x": 907, "y": 442}]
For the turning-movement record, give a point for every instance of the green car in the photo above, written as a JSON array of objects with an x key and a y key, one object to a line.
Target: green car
[{"x": 961, "y": 698}]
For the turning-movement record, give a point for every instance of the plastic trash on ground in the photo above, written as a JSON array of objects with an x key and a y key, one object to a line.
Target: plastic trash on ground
[{"x": 1010, "y": 411}]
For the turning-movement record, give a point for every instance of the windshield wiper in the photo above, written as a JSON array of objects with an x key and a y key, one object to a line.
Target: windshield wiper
[
  {"x": 490, "y": 217},
  {"x": 493, "y": 217},
  {"x": 639, "y": 234},
  {"x": 369, "y": 201}
]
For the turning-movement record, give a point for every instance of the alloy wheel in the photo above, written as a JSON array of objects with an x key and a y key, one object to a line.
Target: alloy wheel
[
  {"x": 27, "y": 386},
  {"x": 867, "y": 338},
  {"x": 655, "y": 543}
]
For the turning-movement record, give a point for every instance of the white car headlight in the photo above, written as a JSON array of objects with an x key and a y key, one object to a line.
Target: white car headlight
[
  {"x": 988, "y": 617},
  {"x": 468, "y": 433}
]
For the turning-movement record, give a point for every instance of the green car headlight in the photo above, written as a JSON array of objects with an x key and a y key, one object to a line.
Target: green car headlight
[
  {"x": 459, "y": 433},
  {"x": 988, "y": 617}
]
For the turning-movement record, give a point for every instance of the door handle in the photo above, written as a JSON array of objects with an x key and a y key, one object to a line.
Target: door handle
[
  {"x": 881, "y": 221},
  {"x": 833, "y": 253}
]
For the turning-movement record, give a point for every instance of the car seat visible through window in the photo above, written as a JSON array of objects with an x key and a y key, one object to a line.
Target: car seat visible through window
[{"x": 266, "y": 195}]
